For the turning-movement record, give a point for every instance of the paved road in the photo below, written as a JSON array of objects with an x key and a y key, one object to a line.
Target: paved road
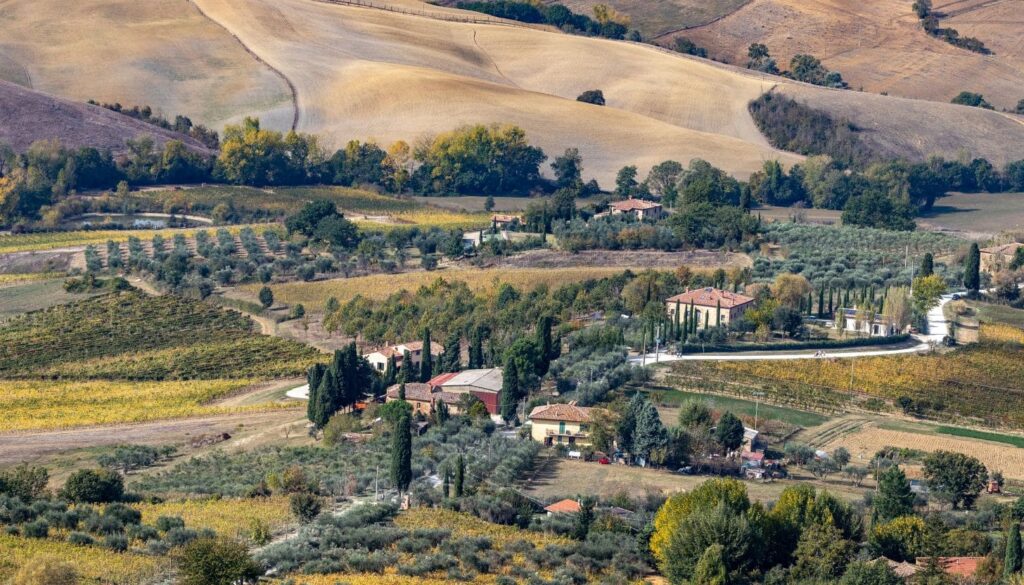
[{"x": 937, "y": 330}]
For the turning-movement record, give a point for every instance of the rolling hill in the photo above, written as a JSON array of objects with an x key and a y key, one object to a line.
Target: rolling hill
[
  {"x": 416, "y": 69},
  {"x": 27, "y": 116},
  {"x": 879, "y": 45}
]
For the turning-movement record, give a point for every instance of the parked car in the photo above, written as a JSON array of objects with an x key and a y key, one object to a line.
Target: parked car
[{"x": 604, "y": 461}]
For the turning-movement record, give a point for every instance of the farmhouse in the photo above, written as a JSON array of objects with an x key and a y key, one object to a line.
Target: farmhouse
[
  {"x": 711, "y": 306},
  {"x": 422, "y": 398},
  {"x": 638, "y": 208},
  {"x": 560, "y": 424},
  {"x": 563, "y": 507},
  {"x": 501, "y": 221},
  {"x": 379, "y": 358},
  {"x": 867, "y": 323},
  {"x": 484, "y": 384},
  {"x": 998, "y": 258}
]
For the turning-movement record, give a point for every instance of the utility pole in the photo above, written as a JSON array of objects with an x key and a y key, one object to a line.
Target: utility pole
[
  {"x": 657, "y": 343},
  {"x": 757, "y": 404},
  {"x": 375, "y": 475}
]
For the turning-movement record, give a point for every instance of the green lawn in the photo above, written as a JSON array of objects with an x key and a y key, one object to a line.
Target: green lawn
[
  {"x": 743, "y": 407},
  {"x": 34, "y": 295},
  {"x": 983, "y": 435},
  {"x": 992, "y": 313},
  {"x": 976, "y": 214}
]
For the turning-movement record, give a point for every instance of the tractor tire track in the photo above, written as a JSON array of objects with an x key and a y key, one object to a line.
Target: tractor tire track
[{"x": 291, "y": 86}]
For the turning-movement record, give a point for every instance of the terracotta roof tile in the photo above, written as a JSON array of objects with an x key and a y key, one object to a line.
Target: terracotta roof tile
[
  {"x": 709, "y": 297},
  {"x": 564, "y": 507},
  {"x": 561, "y": 412},
  {"x": 634, "y": 204}
]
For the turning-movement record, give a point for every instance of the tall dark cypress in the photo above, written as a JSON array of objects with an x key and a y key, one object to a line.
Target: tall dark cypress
[
  {"x": 314, "y": 376},
  {"x": 460, "y": 476},
  {"x": 831, "y": 307},
  {"x": 972, "y": 270},
  {"x": 509, "y": 391},
  {"x": 324, "y": 406},
  {"x": 544, "y": 346},
  {"x": 821, "y": 302},
  {"x": 426, "y": 360},
  {"x": 401, "y": 453},
  {"x": 451, "y": 358},
  {"x": 927, "y": 265}
]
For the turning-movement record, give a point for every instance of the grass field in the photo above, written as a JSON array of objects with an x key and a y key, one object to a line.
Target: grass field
[
  {"x": 381, "y": 286},
  {"x": 8, "y": 279},
  {"x": 33, "y": 295},
  {"x": 656, "y": 18},
  {"x": 999, "y": 314},
  {"x": 95, "y": 565},
  {"x": 1014, "y": 440},
  {"x": 979, "y": 214},
  {"x": 475, "y": 203},
  {"x": 741, "y": 407},
  {"x": 1000, "y": 333},
  {"x": 282, "y": 201},
  {"x": 818, "y": 216}
]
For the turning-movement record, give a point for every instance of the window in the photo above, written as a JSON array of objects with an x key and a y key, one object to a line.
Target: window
[{"x": 561, "y": 427}]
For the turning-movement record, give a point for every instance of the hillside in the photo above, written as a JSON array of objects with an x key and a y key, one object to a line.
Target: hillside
[
  {"x": 369, "y": 73},
  {"x": 879, "y": 45},
  {"x": 162, "y": 54},
  {"x": 27, "y": 116}
]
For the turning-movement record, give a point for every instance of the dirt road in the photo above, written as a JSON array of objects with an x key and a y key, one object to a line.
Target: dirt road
[{"x": 32, "y": 446}]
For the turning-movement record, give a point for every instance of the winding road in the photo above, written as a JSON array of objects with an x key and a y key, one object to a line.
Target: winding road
[{"x": 938, "y": 328}]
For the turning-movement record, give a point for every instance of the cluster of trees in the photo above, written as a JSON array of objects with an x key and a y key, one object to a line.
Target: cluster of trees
[
  {"x": 348, "y": 379},
  {"x": 47, "y": 172},
  {"x": 796, "y": 127},
  {"x": 975, "y": 100},
  {"x": 321, "y": 221},
  {"x": 802, "y": 67},
  {"x": 687, "y": 47},
  {"x": 181, "y": 124},
  {"x": 930, "y": 23},
  {"x": 525, "y": 363},
  {"x": 606, "y": 22}
]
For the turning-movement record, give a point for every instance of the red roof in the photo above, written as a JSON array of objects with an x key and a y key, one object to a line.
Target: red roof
[
  {"x": 564, "y": 507},
  {"x": 505, "y": 218},
  {"x": 710, "y": 297},
  {"x": 561, "y": 412},
  {"x": 441, "y": 379},
  {"x": 634, "y": 204},
  {"x": 417, "y": 392},
  {"x": 962, "y": 566}
]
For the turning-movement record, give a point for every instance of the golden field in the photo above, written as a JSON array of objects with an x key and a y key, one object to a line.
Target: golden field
[
  {"x": 94, "y": 564},
  {"x": 98, "y": 238},
  {"x": 57, "y": 404},
  {"x": 228, "y": 517},
  {"x": 1000, "y": 333},
  {"x": 867, "y": 440},
  {"x": 880, "y": 46},
  {"x": 380, "y": 286}
]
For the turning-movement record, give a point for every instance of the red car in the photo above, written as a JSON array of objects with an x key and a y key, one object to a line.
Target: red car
[{"x": 604, "y": 461}]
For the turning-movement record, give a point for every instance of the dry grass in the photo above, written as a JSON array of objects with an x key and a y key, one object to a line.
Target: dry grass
[
  {"x": 879, "y": 45},
  {"x": 94, "y": 564},
  {"x": 391, "y": 76},
  {"x": 233, "y": 518},
  {"x": 1000, "y": 333},
  {"x": 869, "y": 439},
  {"x": 656, "y": 18},
  {"x": 976, "y": 215},
  {"x": 380, "y": 286},
  {"x": 164, "y": 54}
]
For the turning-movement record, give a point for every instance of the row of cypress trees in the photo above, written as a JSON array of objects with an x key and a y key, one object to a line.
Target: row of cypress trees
[{"x": 338, "y": 385}]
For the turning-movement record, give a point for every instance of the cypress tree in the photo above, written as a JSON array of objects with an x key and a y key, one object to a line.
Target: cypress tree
[
  {"x": 686, "y": 326},
  {"x": 544, "y": 344},
  {"x": 314, "y": 376},
  {"x": 446, "y": 488},
  {"x": 693, "y": 318},
  {"x": 401, "y": 453},
  {"x": 406, "y": 374},
  {"x": 927, "y": 265},
  {"x": 821, "y": 302},
  {"x": 460, "y": 476},
  {"x": 441, "y": 415},
  {"x": 1012, "y": 562},
  {"x": 831, "y": 307},
  {"x": 719, "y": 313},
  {"x": 323, "y": 408},
  {"x": 678, "y": 316},
  {"x": 706, "y": 319},
  {"x": 351, "y": 381},
  {"x": 450, "y": 360},
  {"x": 972, "y": 270},
  {"x": 510, "y": 391},
  {"x": 810, "y": 304},
  {"x": 401, "y": 391},
  {"x": 427, "y": 360}
]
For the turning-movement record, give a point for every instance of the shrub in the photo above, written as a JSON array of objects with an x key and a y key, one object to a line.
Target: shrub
[
  {"x": 209, "y": 561},
  {"x": 305, "y": 506},
  {"x": 117, "y": 542},
  {"x": 592, "y": 96},
  {"x": 36, "y": 529},
  {"x": 80, "y": 538},
  {"x": 45, "y": 571},
  {"x": 168, "y": 523},
  {"x": 93, "y": 486}
]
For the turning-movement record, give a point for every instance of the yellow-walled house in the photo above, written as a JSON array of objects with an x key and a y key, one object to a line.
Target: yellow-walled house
[{"x": 561, "y": 424}]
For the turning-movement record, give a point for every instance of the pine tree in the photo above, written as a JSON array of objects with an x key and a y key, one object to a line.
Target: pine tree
[
  {"x": 1012, "y": 562},
  {"x": 427, "y": 360},
  {"x": 972, "y": 268},
  {"x": 401, "y": 453},
  {"x": 650, "y": 433},
  {"x": 628, "y": 422},
  {"x": 509, "y": 391},
  {"x": 460, "y": 476},
  {"x": 451, "y": 359},
  {"x": 927, "y": 265},
  {"x": 893, "y": 498}
]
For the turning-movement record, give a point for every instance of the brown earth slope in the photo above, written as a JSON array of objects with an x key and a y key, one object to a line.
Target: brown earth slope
[
  {"x": 27, "y": 116},
  {"x": 879, "y": 45}
]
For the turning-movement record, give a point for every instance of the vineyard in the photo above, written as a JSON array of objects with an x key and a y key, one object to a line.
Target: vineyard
[
  {"x": 228, "y": 517},
  {"x": 53, "y": 240},
  {"x": 130, "y": 336},
  {"x": 95, "y": 565},
  {"x": 1000, "y": 333},
  {"x": 381, "y": 286},
  {"x": 61, "y": 404},
  {"x": 275, "y": 202},
  {"x": 980, "y": 383}
]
